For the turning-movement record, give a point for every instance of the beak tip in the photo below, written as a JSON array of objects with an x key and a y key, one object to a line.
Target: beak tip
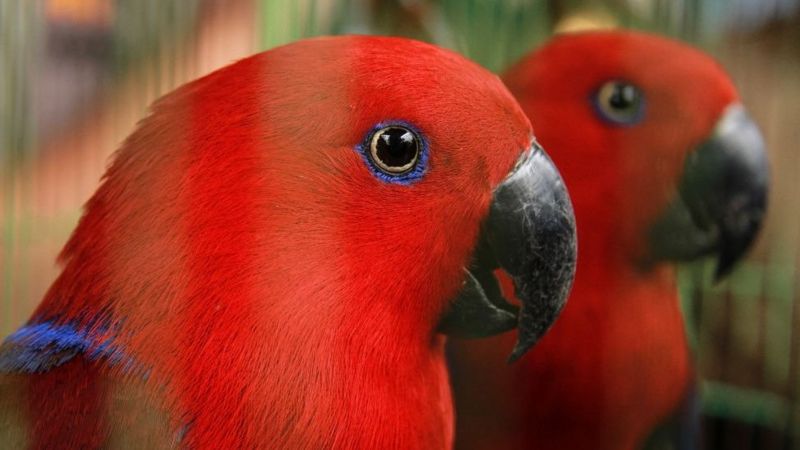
[
  {"x": 736, "y": 241},
  {"x": 516, "y": 353},
  {"x": 720, "y": 274},
  {"x": 724, "y": 268}
]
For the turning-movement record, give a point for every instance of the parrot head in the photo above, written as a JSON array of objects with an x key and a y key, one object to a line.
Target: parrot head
[
  {"x": 648, "y": 105},
  {"x": 342, "y": 182}
]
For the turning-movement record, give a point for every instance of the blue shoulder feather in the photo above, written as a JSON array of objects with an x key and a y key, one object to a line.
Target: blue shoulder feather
[{"x": 39, "y": 347}]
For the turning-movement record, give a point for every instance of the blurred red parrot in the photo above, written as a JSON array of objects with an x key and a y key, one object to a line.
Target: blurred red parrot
[
  {"x": 273, "y": 254},
  {"x": 663, "y": 166}
]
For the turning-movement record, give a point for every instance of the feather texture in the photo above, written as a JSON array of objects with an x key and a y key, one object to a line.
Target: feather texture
[{"x": 276, "y": 293}]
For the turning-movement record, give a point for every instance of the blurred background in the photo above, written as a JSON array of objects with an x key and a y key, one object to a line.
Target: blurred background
[{"x": 76, "y": 75}]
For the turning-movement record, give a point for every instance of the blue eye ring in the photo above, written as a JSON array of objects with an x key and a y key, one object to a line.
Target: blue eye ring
[
  {"x": 404, "y": 174},
  {"x": 619, "y": 102}
]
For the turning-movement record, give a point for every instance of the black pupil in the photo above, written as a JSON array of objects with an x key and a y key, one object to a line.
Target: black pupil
[
  {"x": 396, "y": 147},
  {"x": 623, "y": 97}
]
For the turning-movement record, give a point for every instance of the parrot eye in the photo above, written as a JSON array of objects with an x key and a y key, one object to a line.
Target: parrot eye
[
  {"x": 619, "y": 102},
  {"x": 396, "y": 153},
  {"x": 394, "y": 149}
]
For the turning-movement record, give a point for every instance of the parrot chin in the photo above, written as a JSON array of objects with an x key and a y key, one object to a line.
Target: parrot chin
[
  {"x": 530, "y": 234},
  {"x": 722, "y": 197}
]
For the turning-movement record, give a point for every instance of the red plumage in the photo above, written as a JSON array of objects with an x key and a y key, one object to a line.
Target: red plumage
[
  {"x": 616, "y": 364},
  {"x": 249, "y": 283}
]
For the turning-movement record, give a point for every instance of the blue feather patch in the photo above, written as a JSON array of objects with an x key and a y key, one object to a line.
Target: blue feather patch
[{"x": 40, "y": 347}]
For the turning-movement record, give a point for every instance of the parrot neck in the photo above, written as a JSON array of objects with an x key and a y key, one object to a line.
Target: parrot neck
[
  {"x": 304, "y": 370},
  {"x": 316, "y": 387}
]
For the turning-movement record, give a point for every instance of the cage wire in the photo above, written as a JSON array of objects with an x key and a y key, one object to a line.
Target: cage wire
[{"x": 77, "y": 74}]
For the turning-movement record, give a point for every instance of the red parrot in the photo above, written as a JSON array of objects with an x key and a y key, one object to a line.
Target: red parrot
[
  {"x": 663, "y": 166},
  {"x": 271, "y": 257}
]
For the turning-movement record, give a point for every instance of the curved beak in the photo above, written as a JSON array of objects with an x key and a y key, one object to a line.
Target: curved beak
[
  {"x": 530, "y": 233},
  {"x": 722, "y": 197}
]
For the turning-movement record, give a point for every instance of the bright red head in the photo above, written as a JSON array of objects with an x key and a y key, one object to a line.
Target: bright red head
[{"x": 627, "y": 163}]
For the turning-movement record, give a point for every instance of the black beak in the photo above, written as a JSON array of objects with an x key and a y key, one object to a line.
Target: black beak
[
  {"x": 530, "y": 233},
  {"x": 722, "y": 197}
]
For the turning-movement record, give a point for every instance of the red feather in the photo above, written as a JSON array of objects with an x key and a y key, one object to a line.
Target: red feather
[{"x": 269, "y": 289}]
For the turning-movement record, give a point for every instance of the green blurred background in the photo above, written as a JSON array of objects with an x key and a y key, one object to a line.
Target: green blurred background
[{"x": 76, "y": 75}]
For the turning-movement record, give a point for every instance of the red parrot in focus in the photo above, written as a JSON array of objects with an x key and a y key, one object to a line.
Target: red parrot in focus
[
  {"x": 663, "y": 166},
  {"x": 273, "y": 254}
]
